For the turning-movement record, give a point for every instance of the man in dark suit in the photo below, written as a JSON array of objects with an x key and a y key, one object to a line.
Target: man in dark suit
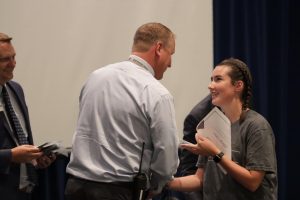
[
  {"x": 16, "y": 156},
  {"x": 188, "y": 160}
]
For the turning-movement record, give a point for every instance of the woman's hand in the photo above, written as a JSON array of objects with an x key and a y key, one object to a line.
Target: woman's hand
[
  {"x": 207, "y": 147},
  {"x": 203, "y": 147}
]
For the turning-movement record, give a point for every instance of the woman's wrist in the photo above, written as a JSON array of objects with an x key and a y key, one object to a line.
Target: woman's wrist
[{"x": 174, "y": 184}]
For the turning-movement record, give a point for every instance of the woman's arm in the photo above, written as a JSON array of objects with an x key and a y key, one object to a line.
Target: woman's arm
[
  {"x": 187, "y": 183},
  {"x": 250, "y": 179}
]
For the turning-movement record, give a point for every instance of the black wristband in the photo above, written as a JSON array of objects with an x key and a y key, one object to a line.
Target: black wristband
[{"x": 217, "y": 158}]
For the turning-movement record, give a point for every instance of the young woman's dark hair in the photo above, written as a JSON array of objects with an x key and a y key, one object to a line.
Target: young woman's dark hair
[{"x": 240, "y": 72}]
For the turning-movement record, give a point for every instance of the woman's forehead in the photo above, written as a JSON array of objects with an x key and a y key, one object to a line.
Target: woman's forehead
[{"x": 221, "y": 70}]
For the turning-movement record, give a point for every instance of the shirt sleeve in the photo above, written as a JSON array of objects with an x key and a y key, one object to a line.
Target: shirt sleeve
[{"x": 165, "y": 142}]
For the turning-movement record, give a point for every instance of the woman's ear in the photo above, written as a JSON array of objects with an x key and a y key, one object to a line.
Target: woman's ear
[{"x": 239, "y": 85}]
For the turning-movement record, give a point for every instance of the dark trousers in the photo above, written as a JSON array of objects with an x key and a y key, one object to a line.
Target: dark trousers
[
  {"x": 9, "y": 193},
  {"x": 80, "y": 189},
  {"x": 193, "y": 195}
]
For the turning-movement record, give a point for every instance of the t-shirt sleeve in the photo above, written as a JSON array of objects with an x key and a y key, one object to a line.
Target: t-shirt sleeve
[{"x": 260, "y": 150}]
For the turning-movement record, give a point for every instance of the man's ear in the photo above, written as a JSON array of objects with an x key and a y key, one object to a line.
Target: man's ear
[{"x": 158, "y": 48}]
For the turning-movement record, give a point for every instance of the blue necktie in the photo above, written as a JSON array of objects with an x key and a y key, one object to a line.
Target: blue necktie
[{"x": 18, "y": 130}]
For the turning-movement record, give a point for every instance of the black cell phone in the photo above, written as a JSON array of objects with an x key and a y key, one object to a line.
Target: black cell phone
[{"x": 49, "y": 147}]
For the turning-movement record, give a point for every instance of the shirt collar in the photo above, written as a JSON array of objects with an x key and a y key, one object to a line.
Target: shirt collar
[{"x": 141, "y": 62}]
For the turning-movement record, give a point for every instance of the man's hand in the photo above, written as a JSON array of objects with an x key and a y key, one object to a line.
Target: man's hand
[
  {"x": 25, "y": 153},
  {"x": 45, "y": 160}
]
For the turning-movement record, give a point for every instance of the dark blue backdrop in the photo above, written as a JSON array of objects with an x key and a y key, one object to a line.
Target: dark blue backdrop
[{"x": 265, "y": 34}]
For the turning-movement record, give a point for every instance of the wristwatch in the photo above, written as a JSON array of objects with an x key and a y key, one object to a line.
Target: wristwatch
[{"x": 218, "y": 157}]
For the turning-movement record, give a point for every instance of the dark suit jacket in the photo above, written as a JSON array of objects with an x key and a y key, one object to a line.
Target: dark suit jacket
[
  {"x": 10, "y": 172},
  {"x": 188, "y": 160}
]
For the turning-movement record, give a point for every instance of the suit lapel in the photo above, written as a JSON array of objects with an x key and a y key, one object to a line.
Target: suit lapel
[{"x": 7, "y": 127}]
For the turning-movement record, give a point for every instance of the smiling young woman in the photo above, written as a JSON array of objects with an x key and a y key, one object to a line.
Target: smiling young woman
[{"x": 251, "y": 173}]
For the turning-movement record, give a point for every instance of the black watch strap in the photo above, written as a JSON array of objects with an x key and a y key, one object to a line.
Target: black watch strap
[{"x": 217, "y": 158}]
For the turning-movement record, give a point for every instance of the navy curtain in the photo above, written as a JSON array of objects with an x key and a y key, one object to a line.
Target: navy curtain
[
  {"x": 52, "y": 180},
  {"x": 265, "y": 34}
]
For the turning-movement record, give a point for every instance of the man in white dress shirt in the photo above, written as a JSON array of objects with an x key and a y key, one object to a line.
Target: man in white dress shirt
[{"x": 124, "y": 107}]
